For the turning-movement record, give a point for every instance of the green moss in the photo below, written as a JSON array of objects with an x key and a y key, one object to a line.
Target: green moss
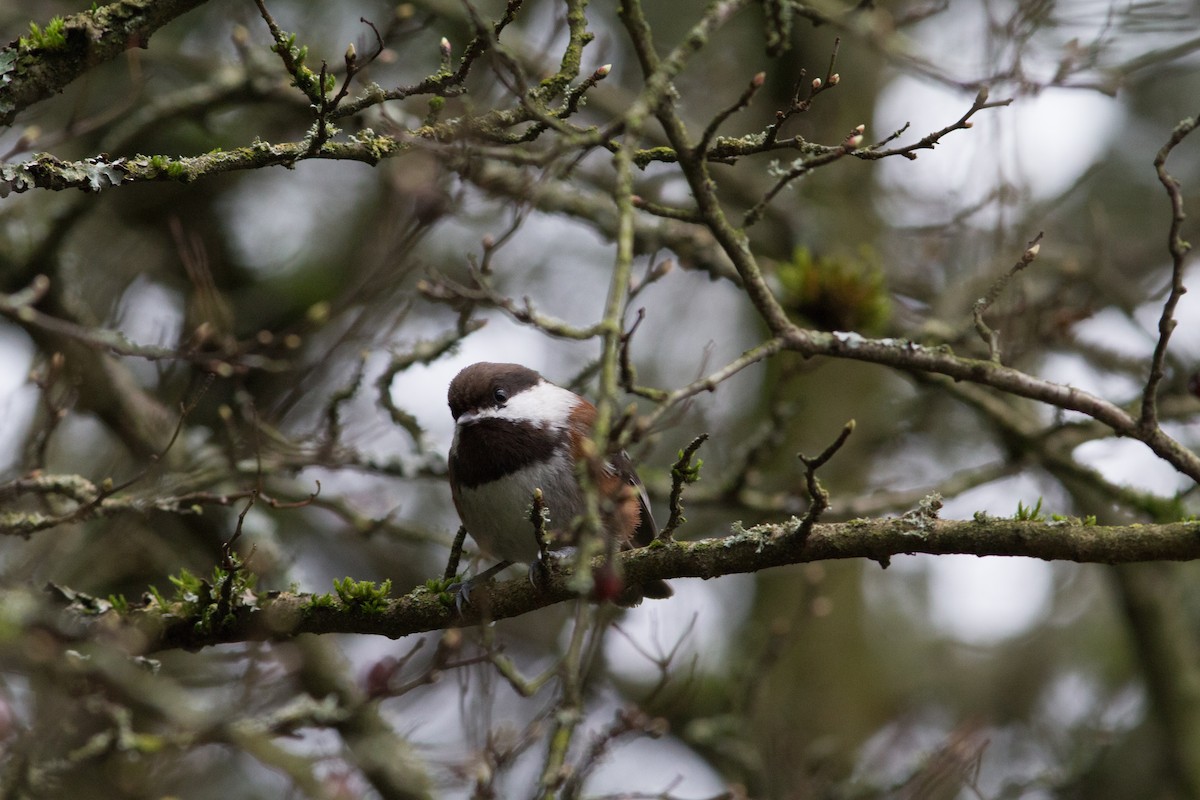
[
  {"x": 836, "y": 292},
  {"x": 438, "y": 585},
  {"x": 187, "y": 586},
  {"x": 52, "y": 37},
  {"x": 1029, "y": 513},
  {"x": 436, "y": 104},
  {"x": 1090, "y": 519},
  {"x": 441, "y": 588},
  {"x": 319, "y": 601},
  {"x": 363, "y": 595},
  {"x": 209, "y": 604},
  {"x": 688, "y": 473},
  {"x": 157, "y": 597}
]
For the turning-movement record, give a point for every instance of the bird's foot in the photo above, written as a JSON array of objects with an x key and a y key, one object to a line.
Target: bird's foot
[
  {"x": 539, "y": 573},
  {"x": 462, "y": 590}
]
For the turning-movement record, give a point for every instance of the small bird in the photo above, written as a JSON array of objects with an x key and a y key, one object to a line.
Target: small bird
[{"x": 516, "y": 432}]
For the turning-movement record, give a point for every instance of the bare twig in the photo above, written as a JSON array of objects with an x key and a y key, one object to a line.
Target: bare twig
[
  {"x": 992, "y": 338},
  {"x": 814, "y": 88},
  {"x": 818, "y": 497},
  {"x": 569, "y": 708},
  {"x": 798, "y": 169},
  {"x": 1179, "y": 250},
  {"x": 628, "y": 373},
  {"x": 668, "y": 400},
  {"x": 338, "y": 398},
  {"x": 443, "y": 289},
  {"x": 742, "y": 102},
  {"x": 423, "y": 352},
  {"x": 20, "y": 307},
  {"x": 929, "y": 141}
]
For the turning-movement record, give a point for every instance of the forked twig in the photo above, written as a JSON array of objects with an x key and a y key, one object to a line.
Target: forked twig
[{"x": 818, "y": 497}]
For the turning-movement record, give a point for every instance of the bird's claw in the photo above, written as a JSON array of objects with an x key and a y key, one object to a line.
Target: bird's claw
[
  {"x": 461, "y": 591},
  {"x": 539, "y": 574}
]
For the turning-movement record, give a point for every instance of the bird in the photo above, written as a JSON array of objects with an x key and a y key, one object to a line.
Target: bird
[{"x": 514, "y": 433}]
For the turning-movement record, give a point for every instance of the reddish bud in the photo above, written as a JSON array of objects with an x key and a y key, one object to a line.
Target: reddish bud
[
  {"x": 379, "y": 677},
  {"x": 608, "y": 584}
]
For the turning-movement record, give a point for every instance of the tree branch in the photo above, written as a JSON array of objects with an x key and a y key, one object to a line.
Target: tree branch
[
  {"x": 30, "y": 73},
  {"x": 283, "y": 615},
  {"x": 1179, "y": 250}
]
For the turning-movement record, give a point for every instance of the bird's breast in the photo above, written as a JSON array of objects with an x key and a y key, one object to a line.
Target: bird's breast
[
  {"x": 497, "y": 512},
  {"x": 489, "y": 449}
]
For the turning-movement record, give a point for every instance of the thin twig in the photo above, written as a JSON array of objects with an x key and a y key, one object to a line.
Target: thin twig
[
  {"x": 742, "y": 102},
  {"x": 682, "y": 473},
  {"x": 1179, "y": 250},
  {"x": 455, "y": 554},
  {"x": 930, "y": 140},
  {"x": 990, "y": 337},
  {"x": 819, "y": 498},
  {"x": 569, "y": 710},
  {"x": 815, "y": 87}
]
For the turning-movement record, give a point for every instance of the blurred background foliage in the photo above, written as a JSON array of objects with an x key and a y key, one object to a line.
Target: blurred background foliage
[{"x": 936, "y": 678}]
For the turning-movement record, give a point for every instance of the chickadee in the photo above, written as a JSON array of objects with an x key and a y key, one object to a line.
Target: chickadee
[{"x": 516, "y": 432}]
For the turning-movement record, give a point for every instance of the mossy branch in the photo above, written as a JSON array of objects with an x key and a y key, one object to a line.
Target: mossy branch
[
  {"x": 39, "y": 66},
  {"x": 283, "y": 615}
]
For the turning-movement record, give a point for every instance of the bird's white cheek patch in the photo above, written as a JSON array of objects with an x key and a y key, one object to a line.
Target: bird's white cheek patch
[{"x": 545, "y": 404}]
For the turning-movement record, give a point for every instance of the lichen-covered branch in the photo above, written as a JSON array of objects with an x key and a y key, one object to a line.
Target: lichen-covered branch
[
  {"x": 34, "y": 68},
  {"x": 102, "y": 172},
  {"x": 282, "y": 615}
]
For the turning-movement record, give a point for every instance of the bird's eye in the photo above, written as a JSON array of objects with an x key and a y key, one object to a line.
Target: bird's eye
[{"x": 500, "y": 396}]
